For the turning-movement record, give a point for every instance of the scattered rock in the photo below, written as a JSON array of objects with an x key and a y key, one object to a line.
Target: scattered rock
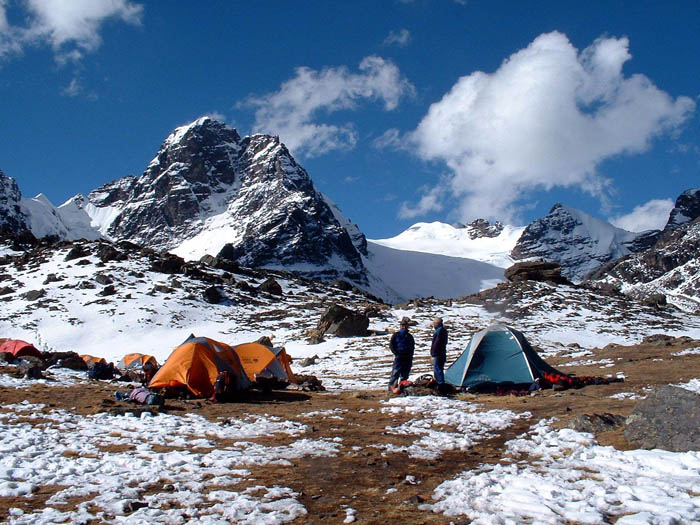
[
  {"x": 107, "y": 253},
  {"x": 86, "y": 285},
  {"x": 213, "y": 295},
  {"x": 168, "y": 263},
  {"x": 271, "y": 286},
  {"x": 108, "y": 290},
  {"x": 5, "y": 290},
  {"x": 52, "y": 278},
  {"x": 314, "y": 337},
  {"x": 307, "y": 361},
  {"x": 342, "y": 285},
  {"x": 307, "y": 383},
  {"x": 343, "y": 322},
  {"x": 655, "y": 299},
  {"x": 103, "y": 279},
  {"x": 76, "y": 252},
  {"x": 596, "y": 423},
  {"x": 33, "y": 295},
  {"x": 668, "y": 419},
  {"x": 161, "y": 288},
  {"x": 541, "y": 271},
  {"x": 265, "y": 340}
]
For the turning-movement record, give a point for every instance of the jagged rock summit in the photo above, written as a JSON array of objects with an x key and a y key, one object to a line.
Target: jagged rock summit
[
  {"x": 210, "y": 192},
  {"x": 12, "y": 218},
  {"x": 579, "y": 242}
]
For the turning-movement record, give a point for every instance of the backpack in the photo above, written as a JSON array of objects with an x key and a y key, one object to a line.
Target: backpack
[{"x": 101, "y": 370}]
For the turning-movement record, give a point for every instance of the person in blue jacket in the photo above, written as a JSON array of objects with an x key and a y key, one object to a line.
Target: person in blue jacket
[
  {"x": 402, "y": 346},
  {"x": 438, "y": 351}
]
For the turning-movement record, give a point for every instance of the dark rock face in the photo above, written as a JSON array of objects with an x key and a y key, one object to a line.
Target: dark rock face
[
  {"x": 578, "y": 242},
  {"x": 12, "y": 218},
  {"x": 671, "y": 267},
  {"x": 542, "y": 271},
  {"x": 273, "y": 213},
  {"x": 668, "y": 418},
  {"x": 482, "y": 228},
  {"x": 687, "y": 209},
  {"x": 33, "y": 295},
  {"x": 343, "y": 322}
]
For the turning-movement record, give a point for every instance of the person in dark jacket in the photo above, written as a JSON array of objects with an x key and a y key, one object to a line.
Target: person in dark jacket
[
  {"x": 438, "y": 351},
  {"x": 402, "y": 346}
]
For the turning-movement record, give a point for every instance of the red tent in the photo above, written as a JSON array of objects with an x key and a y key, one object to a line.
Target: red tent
[{"x": 20, "y": 348}]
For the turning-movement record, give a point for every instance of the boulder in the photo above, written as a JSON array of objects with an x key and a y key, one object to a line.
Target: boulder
[
  {"x": 314, "y": 337},
  {"x": 343, "y": 322},
  {"x": 108, "y": 290},
  {"x": 76, "y": 252},
  {"x": 668, "y": 419},
  {"x": 271, "y": 286},
  {"x": 213, "y": 295},
  {"x": 596, "y": 423},
  {"x": 103, "y": 279},
  {"x": 7, "y": 357},
  {"x": 5, "y": 290},
  {"x": 167, "y": 263},
  {"x": 541, "y": 271},
  {"x": 107, "y": 253},
  {"x": 33, "y": 295}
]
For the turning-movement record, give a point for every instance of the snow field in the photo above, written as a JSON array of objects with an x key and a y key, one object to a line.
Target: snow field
[
  {"x": 59, "y": 448},
  {"x": 432, "y": 416},
  {"x": 563, "y": 476}
]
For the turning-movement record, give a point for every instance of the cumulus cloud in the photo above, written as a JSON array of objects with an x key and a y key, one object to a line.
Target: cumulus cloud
[
  {"x": 399, "y": 38},
  {"x": 70, "y": 27},
  {"x": 547, "y": 117},
  {"x": 652, "y": 215},
  {"x": 431, "y": 201},
  {"x": 294, "y": 110}
]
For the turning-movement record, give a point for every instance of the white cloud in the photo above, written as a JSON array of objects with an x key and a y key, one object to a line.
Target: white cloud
[
  {"x": 390, "y": 139},
  {"x": 545, "y": 118},
  {"x": 399, "y": 38},
  {"x": 70, "y": 27},
  {"x": 73, "y": 89},
  {"x": 429, "y": 202},
  {"x": 292, "y": 112},
  {"x": 652, "y": 215}
]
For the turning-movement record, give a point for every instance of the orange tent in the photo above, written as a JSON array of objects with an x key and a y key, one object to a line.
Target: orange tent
[
  {"x": 20, "y": 348},
  {"x": 196, "y": 364},
  {"x": 91, "y": 360},
  {"x": 137, "y": 362},
  {"x": 261, "y": 360}
]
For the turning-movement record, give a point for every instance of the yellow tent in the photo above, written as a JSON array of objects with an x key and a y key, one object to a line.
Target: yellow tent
[
  {"x": 196, "y": 364},
  {"x": 262, "y": 361}
]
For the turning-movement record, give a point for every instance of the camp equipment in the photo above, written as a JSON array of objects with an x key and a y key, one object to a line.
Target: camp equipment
[{"x": 497, "y": 355}]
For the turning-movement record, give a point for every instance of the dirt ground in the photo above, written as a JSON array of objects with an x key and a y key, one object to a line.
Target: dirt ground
[{"x": 361, "y": 479}]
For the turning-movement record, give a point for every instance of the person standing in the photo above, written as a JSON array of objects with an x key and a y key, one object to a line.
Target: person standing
[
  {"x": 402, "y": 346},
  {"x": 438, "y": 351}
]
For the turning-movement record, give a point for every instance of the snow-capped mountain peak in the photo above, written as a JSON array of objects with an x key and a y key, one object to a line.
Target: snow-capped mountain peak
[{"x": 479, "y": 240}]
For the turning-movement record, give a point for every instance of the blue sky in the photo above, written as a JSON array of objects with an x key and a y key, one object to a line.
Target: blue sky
[{"x": 401, "y": 111}]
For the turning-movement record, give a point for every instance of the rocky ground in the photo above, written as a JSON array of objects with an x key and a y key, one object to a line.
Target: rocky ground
[{"x": 360, "y": 454}]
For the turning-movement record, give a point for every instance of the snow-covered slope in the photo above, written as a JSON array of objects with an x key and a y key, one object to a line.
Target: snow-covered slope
[
  {"x": 401, "y": 274},
  {"x": 478, "y": 241},
  {"x": 579, "y": 242}
]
